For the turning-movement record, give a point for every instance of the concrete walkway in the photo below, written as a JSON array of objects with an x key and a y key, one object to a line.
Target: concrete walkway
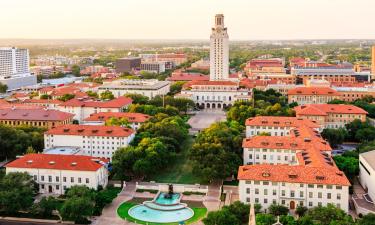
[{"x": 109, "y": 215}]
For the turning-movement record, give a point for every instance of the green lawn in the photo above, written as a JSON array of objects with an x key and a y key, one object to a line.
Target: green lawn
[
  {"x": 122, "y": 211},
  {"x": 180, "y": 172}
]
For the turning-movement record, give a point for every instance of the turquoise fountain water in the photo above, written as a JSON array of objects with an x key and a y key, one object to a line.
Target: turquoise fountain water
[{"x": 165, "y": 208}]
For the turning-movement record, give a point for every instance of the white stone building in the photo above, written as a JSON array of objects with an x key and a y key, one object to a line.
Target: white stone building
[
  {"x": 55, "y": 173},
  {"x": 293, "y": 166},
  {"x": 149, "y": 88},
  {"x": 96, "y": 141},
  {"x": 276, "y": 125},
  {"x": 220, "y": 91},
  {"x": 83, "y": 108},
  {"x": 14, "y": 68},
  {"x": 219, "y": 50}
]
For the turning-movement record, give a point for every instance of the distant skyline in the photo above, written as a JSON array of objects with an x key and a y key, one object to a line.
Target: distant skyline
[{"x": 176, "y": 19}]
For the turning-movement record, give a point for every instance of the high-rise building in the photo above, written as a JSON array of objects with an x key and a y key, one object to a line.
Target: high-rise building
[
  {"x": 219, "y": 50},
  {"x": 14, "y": 68},
  {"x": 127, "y": 65},
  {"x": 373, "y": 62},
  {"x": 220, "y": 91},
  {"x": 13, "y": 61}
]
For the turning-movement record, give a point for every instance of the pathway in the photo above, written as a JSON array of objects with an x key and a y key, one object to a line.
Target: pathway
[
  {"x": 204, "y": 119},
  {"x": 109, "y": 215}
]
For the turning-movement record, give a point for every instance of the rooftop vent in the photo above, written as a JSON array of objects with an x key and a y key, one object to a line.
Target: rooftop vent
[
  {"x": 73, "y": 164},
  {"x": 109, "y": 131},
  {"x": 52, "y": 162},
  {"x": 320, "y": 177},
  {"x": 29, "y": 161},
  {"x": 266, "y": 174},
  {"x": 66, "y": 130},
  {"x": 95, "y": 131},
  {"x": 80, "y": 130},
  {"x": 307, "y": 140}
]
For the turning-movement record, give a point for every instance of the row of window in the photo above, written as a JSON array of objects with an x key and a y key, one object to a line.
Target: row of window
[
  {"x": 283, "y": 202},
  {"x": 57, "y": 179},
  {"x": 266, "y": 183},
  {"x": 286, "y": 158},
  {"x": 292, "y": 193}
]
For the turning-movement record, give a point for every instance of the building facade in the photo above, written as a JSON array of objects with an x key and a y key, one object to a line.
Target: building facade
[
  {"x": 153, "y": 67},
  {"x": 82, "y": 108},
  {"x": 36, "y": 117},
  {"x": 14, "y": 68},
  {"x": 312, "y": 95},
  {"x": 96, "y": 141},
  {"x": 127, "y": 65},
  {"x": 219, "y": 50},
  {"x": 291, "y": 166},
  {"x": 150, "y": 88},
  {"x": 331, "y": 115},
  {"x": 373, "y": 62},
  {"x": 56, "y": 173}
]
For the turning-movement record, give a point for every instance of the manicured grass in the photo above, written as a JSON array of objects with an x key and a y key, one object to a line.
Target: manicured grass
[
  {"x": 122, "y": 211},
  {"x": 180, "y": 172}
]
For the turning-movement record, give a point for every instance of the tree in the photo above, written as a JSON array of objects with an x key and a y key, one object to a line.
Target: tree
[
  {"x": 222, "y": 217},
  {"x": 92, "y": 94},
  {"x": 3, "y": 88},
  {"x": 265, "y": 219},
  {"x": 216, "y": 152},
  {"x": 45, "y": 96},
  {"x": 113, "y": 121},
  {"x": 138, "y": 98},
  {"x": 278, "y": 210},
  {"x": 16, "y": 192},
  {"x": 45, "y": 206},
  {"x": 176, "y": 87},
  {"x": 76, "y": 70},
  {"x": 79, "y": 204},
  {"x": 107, "y": 95},
  {"x": 349, "y": 165},
  {"x": 236, "y": 213},
  {"x": 334, "y": 136},
  {"x": 30, "y": 150},
  {"x": 329, "y": 215},
  {"x": 301, "y": 210},
  {"x": 368, "y": 219},
  {"x": 66, "y": 97}
]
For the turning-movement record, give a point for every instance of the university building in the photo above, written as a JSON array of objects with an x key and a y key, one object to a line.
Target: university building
[
  {"x": 292, "y": 167},
  {"x": 220, "y": 91},
  {"x": 55, "y": 173}
]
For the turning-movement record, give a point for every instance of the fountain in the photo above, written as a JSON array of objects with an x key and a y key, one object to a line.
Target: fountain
[{"x": 164, "y": 208}]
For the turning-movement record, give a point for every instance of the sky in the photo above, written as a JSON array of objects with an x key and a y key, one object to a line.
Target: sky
[{"x": 187, "y": 19}]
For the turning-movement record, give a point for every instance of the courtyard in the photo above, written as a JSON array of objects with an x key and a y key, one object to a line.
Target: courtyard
[{"x": 203, "y": 119}]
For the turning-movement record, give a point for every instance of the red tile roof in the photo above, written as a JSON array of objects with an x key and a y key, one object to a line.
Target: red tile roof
[
  {"x": 198, "y": 82},
  {"x": 119, "y": 102},
  {"x": 188, "y": 77},
  {"x": 324, "y": 109},
  {"x": 280, "y": 121},
  {"x": 42, "y": 101},
  {"x": 131, "y": 117},
  {"x": 293, "y": 174},
  {"x": 90, "y": 130},
  {"x": 34, "y": 114},
  {"x": 58, "y": 162},
  {"x": 313, "y": 91}
]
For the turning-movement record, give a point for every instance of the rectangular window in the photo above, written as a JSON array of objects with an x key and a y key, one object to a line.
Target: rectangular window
[
  {"x": 248, "y": 200},
  {"x": 292, "y": 194},
  {"x": 64, "y": 179},
  {"x": 256, "y": 191},
  {"x": 273, "y": 192},
  {"x": 256, "y": 200},
  {"x": 338, "y": 196},
  {"x": 57, "y": 187},
  {"x": 247, "y": 190},
  {"x": 328, "y": 195},
  {"x": 79, "y": 180},
  {"x": 42, "y": 178},
  {"x": 72, "y": 179},
  {"x": 57, "y": 179},
  {"x": 283, "y": 193},
  {"x": 87, "y": 180},
  {"x": 310, "y": 204},
  {"x": 319, "y": 194},
  {"x": 301, "y": 194},
  {"x": 265, "y": 192}
]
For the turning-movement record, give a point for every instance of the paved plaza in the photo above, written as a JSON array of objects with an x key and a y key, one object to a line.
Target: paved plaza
[{"x": 203, "y": 119}]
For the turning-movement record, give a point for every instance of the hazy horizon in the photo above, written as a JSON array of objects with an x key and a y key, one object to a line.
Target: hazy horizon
[{"x": 247, "y": 20}]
